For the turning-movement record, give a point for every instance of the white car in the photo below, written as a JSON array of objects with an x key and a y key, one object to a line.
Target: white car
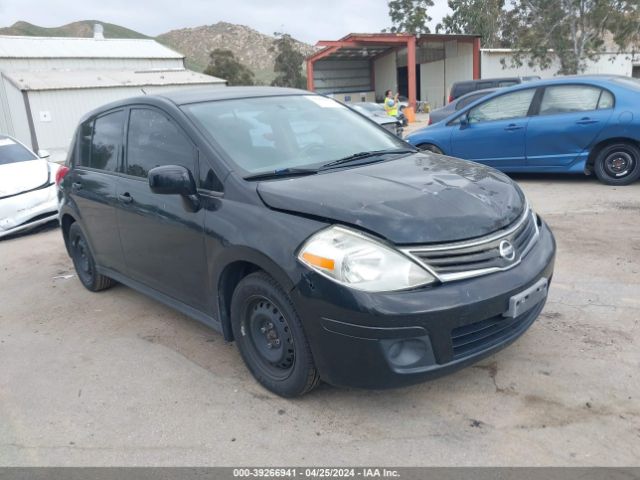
[{"x": 28, "y": 196}]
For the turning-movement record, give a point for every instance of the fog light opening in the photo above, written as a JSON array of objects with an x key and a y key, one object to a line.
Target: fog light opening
[{"x": 407, "y": 352}]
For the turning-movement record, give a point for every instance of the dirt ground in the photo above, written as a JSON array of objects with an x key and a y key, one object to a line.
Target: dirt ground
[{"x": 118, "y": 379}]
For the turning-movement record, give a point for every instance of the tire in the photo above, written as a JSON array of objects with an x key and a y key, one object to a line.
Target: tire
[
  {"x": 618, "y": 164},
  {"x": 270, "y": 337},
  {"x": 84, "y": 262},
  {"x": 429, "y": 147}
]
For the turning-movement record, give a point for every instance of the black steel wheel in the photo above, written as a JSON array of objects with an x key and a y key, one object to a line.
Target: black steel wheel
[
  {"x": 84, "y": 262},
  {"x": 618, "y": 164},
  {"x": 429, "y": 147},
  {"x": 270, "y": 337}
]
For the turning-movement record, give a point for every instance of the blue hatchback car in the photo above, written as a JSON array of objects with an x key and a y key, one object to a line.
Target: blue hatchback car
[{"x": 582, "y": 124}]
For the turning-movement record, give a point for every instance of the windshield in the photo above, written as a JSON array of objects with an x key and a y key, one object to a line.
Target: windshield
[
  {"x": 285, "y": 132},
  {"x": 12, "y": 152}
]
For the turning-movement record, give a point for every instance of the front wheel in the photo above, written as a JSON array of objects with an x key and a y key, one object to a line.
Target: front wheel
[
  {"x": 429, "y": 147},
  {"x": 618, "y": 164},
  {"x": 270, "y": 337}
]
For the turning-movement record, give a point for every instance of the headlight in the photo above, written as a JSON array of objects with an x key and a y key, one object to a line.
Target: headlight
[{"x": 360, "y": 262}]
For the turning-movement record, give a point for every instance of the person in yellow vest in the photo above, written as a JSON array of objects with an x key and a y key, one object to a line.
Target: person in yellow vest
[{"x": 391, "y": 103}]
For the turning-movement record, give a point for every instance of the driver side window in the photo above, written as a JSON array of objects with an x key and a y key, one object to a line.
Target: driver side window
[
  {"x": 504, "y": 107},
  {"x": 154, "y": 140}
]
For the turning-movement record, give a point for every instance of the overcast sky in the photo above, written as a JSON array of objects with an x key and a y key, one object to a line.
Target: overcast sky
[{"x": 306, "y": 20}]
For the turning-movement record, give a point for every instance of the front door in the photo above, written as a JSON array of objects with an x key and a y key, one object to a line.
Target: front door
[
  {"x": 162, "y": 237},
  {"x": 495, "y": 131},
  {"x": 570, "y": 117}
]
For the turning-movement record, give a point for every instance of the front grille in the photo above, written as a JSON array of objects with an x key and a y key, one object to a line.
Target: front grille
[
  {"x": 460, "y": 260},
  {"x": 476, "y": 337}
]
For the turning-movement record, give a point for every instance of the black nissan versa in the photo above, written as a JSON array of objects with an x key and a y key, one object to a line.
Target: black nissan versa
[{"x": 326, "y": 247}]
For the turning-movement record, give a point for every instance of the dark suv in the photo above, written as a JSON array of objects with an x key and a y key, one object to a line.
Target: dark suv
[
  {"x": 325, "y": 246},
  {"x": 462, "y": 88}
]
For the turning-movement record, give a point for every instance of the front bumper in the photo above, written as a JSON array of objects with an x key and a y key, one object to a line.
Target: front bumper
[
  {"x": 28, "y": 210},
  {"x": 393, "y": 339}
]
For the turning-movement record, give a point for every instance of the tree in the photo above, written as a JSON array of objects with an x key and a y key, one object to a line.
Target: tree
[
  {"x": 223, "y": 64},
  {"x": 479, "y": 17},
  {"x": 288, "y": 62},
  {"x": 571, "y": 30},
  {"x": 409, "y": 16}
]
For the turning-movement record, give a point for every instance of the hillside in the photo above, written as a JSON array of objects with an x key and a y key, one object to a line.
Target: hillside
[
  {"x": 83, "y": 28},
  {"x": 249, "y": 46}
]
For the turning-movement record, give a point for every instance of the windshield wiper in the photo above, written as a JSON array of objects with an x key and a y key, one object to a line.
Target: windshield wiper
[
  {"x": 284, "y": 172},
  {"x": 364, "y": 155}
]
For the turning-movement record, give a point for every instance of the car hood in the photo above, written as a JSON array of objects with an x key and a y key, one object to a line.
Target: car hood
[
  {"x": 21, "y": 177},
  {"x": 418, "y": 199}
]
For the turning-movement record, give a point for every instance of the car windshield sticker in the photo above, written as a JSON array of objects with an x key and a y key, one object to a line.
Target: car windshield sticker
[{"x": 324, "y": 102}]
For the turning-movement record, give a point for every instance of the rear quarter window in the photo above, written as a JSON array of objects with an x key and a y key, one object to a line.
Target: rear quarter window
[{"x": 100, "y": 141}]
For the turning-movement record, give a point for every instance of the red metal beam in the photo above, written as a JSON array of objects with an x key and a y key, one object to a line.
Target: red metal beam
[
  {"x": 310, "y": 85},
  {"x": 476, "y": 58},
  {"x": 325, "y": 52},
  {"x": 411, "y": 70}
]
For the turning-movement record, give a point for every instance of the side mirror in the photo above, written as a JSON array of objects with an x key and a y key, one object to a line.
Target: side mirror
[
  {"x": 43, "y": 154},
  {"x": 464, "y": 121},
  {"x": 172, "y": 180}
]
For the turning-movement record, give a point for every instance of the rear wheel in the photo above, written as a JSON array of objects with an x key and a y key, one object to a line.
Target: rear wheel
[
  {"x": 618, "y": 164},
  {"x": 84, "y": 262},
  {"x": 270, "y": 337},
  {"x": 429, "y": 147}
]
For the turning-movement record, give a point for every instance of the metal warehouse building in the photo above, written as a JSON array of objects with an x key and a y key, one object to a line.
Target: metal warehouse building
[
  {"x": 421, "y": 67},
  {"x": 47, "y": 84}
]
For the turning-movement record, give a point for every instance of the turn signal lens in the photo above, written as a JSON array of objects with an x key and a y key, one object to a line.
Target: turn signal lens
[{"x": 320, "y": 262}]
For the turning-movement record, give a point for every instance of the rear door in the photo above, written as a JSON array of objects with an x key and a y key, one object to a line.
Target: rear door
[
  {"x": 93, "y": 185},
  {"x": 495, "y": 133},
  {"x": 569, "y": 119},
  {"x": 163, "y": 241}
]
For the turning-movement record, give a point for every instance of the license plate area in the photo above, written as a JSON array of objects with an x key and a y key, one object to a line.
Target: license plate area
[{"x": 527, "y": 299}]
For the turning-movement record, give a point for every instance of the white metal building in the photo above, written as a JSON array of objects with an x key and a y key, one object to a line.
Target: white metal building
[
  {"x": 492, "y": 60},
  {"x": 47, "y": 84}
]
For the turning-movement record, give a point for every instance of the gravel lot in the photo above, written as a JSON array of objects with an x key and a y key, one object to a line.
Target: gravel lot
[{"x": 117, "y": 379}]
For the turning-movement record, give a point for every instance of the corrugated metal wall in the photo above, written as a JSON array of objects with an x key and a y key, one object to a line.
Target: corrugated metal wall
[
  {"x": 336, "y": 76},
  {"x": 17, "y": 114},
  {"x": 386, "y": 74},
  {"x": 437, "y": 77}
]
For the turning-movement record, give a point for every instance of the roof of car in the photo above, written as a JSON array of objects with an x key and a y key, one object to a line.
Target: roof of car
[
  {"x": 568, "y": 79},
  {"x": 195, "y": 95}
]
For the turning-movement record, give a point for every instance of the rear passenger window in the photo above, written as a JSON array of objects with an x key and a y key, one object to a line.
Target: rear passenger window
[
  {"x": 569, "y": 98},
  {"x": 106, "y": 141},
  {"x": 606, "y": 100},
  {"x": 155, "y": 140}
]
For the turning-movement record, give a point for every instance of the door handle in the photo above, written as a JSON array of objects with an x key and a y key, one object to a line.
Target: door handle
[
  {"x": 586, "y": 121},
  {"x": 512, "y": 126},
  {"x": 125, "y": 198},
  {"x": 75, "y": 186}
]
